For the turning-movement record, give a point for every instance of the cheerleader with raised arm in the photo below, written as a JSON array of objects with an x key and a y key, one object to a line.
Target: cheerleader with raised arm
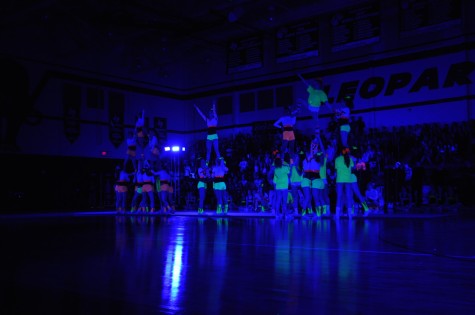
[
  {"x": 151, "y": 153},
  {"x": 212, "y": 137},
  {"x": 130, "y": 163},
  {"x": 316, "y": 96},
  {"x": 141, "y": 137},
  {"x": 140, "y": 126}
]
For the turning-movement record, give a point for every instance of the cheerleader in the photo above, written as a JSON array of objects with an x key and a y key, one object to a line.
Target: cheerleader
[
  {"x": 148, "y": 190},
  {"x": 151, "y": 153},
  {"x": 121, "y": 188},
  {"x": 212, "y": 138},
  {"x": 131, "y": 153},
  {"x": 286, "y": 123},
  {"x": 317, "y": 164},
  {"x": 219, "y": 185},
  {"x": 343, "y": 118},
  {"x": 355, "y": 188},
  {"x": 140, "y": 126},
  {"x": 316, "y": 96},
  {"x": 170, "y": 200},
  {"x": 137, "y": 198},
  {"x": 164, "y": 181},
  {"x": 324, "y": 192},
  {"x": 323, "y": 200},
  {"x": 141, "y": 137},
  {"x": 310, "y": 182},
  {"x": 296, "y": 173},
  {"x": 343, "y": 166},
  {"x": 281, "y": 182},
  {"x": 203, "y": 179}
]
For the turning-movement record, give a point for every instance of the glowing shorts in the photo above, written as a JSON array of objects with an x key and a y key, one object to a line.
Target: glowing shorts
[
  {"x": 120, "y": 188},
  {"x": 345, "y": 128},
  {"x": 164, "y": 187},
  {"x": 147, "y": 187},
  {"x": 317, "y": 183},
  {"x": 212, "y": 137},
  {"x": 306, "y": 183},
  {"x": 219, "y": 186},
  {"x": 289, "y": 135}
]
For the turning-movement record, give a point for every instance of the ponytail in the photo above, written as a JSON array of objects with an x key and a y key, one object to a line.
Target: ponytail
[{"x": 346, "y": 156}]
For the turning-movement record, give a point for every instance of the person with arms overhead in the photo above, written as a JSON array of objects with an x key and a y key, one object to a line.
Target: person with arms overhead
[
  {"x": 212, "y": 138},
  {"x": 316, "y": 96}
]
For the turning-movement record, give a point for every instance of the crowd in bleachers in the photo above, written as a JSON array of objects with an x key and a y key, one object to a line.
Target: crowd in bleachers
[{"x": 403, "y": 166}]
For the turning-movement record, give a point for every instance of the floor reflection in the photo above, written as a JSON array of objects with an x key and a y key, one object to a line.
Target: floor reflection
[{"x": 216, "y": 265}]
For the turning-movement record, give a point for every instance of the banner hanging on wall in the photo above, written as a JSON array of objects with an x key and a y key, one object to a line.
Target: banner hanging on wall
[
  {"x": 160, "y": 126},
  {"x": 71, "y": 111},
  {"x": 355, "y": 27},
  {"x": 116, "y": 118},
  {"x": 297, "y": 41},
  {"x": 245, "y": 54}
]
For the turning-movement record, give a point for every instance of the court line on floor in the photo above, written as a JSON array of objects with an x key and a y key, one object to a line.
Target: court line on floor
[{"x": 335, "y": 249}]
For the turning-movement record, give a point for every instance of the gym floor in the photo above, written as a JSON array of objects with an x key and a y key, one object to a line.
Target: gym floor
[{"x": 103, "y": 263}]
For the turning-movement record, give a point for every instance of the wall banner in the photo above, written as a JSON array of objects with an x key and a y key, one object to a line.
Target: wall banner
[
  {"x": 160, "y": 126},
  {"x": 116, "y": 118},
  {"x": 71, "y": 111}
]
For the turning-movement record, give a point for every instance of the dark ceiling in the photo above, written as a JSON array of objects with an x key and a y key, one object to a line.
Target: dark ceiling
[{"x": 140, "y": 35}]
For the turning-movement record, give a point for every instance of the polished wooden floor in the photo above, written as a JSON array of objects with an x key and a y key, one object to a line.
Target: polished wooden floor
[{"x": 110, "y": 264}]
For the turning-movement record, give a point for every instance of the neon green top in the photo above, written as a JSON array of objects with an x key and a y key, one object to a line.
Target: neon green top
[
  {"x": 316, "y": 97},
  {"x": 295, "y": 177},
  {"x": 281, "y": 177},
  {"x": 343, "y": 172}
]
